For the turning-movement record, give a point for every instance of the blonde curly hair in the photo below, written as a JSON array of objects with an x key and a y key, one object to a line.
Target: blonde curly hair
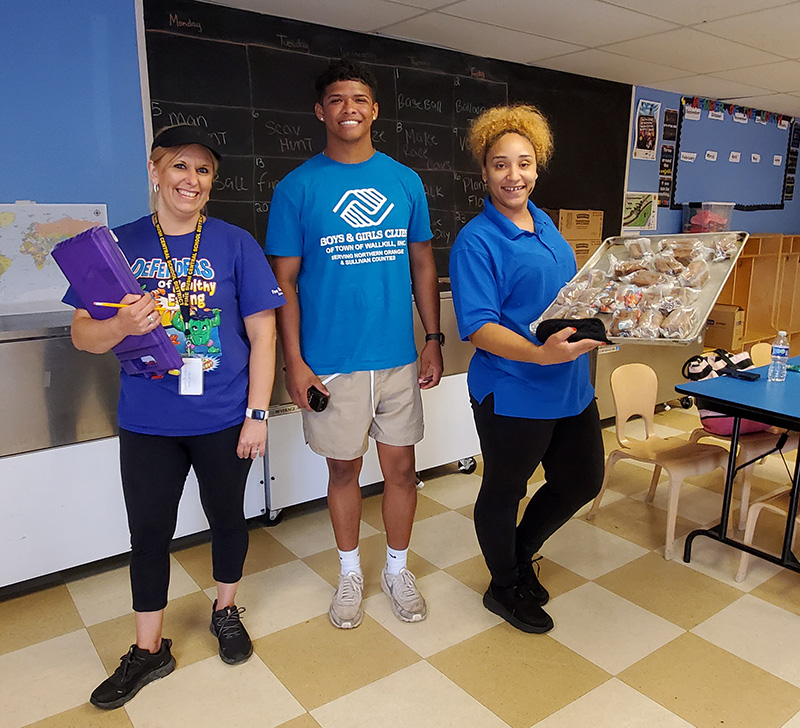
[{"x": 522, "y": 119}]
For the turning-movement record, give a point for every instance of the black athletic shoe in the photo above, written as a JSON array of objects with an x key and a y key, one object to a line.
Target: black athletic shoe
[
  {"x": 137, "y": 668},
  {"x": 518, "y": 607},
  {"x": 529, "y": 574},
  {"x": 234, "y": 642}
]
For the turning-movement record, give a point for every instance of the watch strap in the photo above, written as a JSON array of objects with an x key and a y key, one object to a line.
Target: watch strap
[
  {"x": 438, "y": 336},
  {"x": 256, "y": 414}
]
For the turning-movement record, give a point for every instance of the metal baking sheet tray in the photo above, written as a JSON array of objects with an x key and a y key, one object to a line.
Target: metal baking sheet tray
[{"x": 709, "y": 294}]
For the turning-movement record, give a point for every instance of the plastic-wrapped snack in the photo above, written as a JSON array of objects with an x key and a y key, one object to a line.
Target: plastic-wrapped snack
[
  {"x": 579, "y": 310},
  {"x": 673, "y": 297},
  {"x": 639, "y": 248},
  {"x": 649, "y": 326},
  {"x": 587, "y": 296},
  {"x": 606, "y": 300},
  {"x": 665, "y": 262},
  {"x": 645, "y": 278},
  {"x": 696, "y": 274},
  {"x": 624, "y": 268},
  {"x": 670, "y": 242},
  {"x": 594, "y": 278},
  {"x": 725, "y": 247},
  {"x": 628, "y": 296},
  {"x": 624, "y": 321},
  {"x": 570, "y": 292},
  {"x": 678, "y": 324},
  {"x": 560, "y": 310},
  {"x": 686, "y": 252},
  {"x": 651, "y": 296}
]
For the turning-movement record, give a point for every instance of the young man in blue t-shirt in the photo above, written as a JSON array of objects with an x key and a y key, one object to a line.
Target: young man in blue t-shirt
[{"x": 349, "y": 239}]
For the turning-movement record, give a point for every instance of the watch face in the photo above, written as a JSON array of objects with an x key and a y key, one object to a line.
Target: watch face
[{"x": 257, "y": 414}]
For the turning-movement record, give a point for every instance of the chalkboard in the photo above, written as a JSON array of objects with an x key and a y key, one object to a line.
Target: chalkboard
[
  {"x": 249, "y": 79},
  {"x": 728, "y": 153}
]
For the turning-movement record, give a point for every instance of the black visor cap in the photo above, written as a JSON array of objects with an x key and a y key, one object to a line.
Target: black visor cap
[{"x": 178, "y": 136}]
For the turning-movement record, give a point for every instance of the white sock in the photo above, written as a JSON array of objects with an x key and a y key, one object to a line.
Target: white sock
[
  {"x": 350, "y": 561},
  {"x": 395, "y": 560}
]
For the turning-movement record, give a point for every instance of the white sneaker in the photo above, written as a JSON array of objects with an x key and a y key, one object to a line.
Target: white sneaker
[
  {"x": 346, "y": 611},
  {"x": 407, "y": 603}
]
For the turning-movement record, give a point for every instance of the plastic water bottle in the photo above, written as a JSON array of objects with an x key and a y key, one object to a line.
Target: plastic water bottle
[{"x": 780, "y": 356}]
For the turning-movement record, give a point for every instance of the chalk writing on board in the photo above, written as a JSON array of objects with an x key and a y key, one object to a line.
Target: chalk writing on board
[
  {"x": 293, "y": 44},
  {"x": 187, "y": 24}
]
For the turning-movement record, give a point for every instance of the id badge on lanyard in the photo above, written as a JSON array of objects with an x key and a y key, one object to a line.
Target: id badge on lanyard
[{"x": 190, "y": 379}]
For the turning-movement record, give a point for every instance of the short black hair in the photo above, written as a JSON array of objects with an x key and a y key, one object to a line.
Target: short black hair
[{"x": 345, "y": 69}]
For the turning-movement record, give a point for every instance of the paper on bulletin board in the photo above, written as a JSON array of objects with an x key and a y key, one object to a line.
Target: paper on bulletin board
[
  {"x": 640, "y": 211},
  {"x": 30, "y": 280},
  {"x": 647, "y": 113}
]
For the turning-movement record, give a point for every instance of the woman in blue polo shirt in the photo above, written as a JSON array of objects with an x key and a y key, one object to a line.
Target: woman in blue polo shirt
[{"x": 533, "y": 403}]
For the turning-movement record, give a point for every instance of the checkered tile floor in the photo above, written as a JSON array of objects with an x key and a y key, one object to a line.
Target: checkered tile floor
[{"x": 638, "y": 641}]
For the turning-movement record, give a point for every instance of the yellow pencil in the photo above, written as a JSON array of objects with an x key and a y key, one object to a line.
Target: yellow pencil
[{"x": 107, "y": 304}]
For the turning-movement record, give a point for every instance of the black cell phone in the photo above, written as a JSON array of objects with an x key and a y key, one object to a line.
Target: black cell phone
[{"x": 316, "y": 399}]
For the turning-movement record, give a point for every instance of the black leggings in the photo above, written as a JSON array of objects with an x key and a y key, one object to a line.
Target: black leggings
[
  {"x": 154, "y": 470},
  {"x": 571, "y": 450}
]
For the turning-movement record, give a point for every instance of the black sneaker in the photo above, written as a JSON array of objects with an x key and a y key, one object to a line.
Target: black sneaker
[
  {"x": 234, "y": 642},
  {"x": 518, "y": 607},
  {"x": 529, "y": 574},
  {"x": 137, "y": 668}
]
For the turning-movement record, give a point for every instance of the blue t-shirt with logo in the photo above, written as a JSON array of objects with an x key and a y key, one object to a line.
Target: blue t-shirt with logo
[
  {"x": 231, "y": 280},
  {"x": 504, "y": 275},
  {"x": 351, "y": 224}
]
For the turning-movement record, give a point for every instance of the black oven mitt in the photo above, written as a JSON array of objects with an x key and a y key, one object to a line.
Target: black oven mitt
[{"x": 586, "y": 328}]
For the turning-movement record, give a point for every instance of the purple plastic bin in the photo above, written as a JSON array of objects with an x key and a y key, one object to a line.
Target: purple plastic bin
[{"x": 98, "y": 271}]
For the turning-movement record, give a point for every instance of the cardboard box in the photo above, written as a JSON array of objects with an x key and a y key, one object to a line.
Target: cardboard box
[
  {"x": 725, "y": 328},
  {"x": 578, "y": 224},
  {"x": 584, "y": 249}
]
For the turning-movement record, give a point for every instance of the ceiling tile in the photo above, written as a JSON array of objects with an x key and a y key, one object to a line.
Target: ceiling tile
[
  {"x": 612, "y": 67},
  {"x": 776, "y": 30},
  {"x": 477, "y": 38},
  {"x": 687, "y": 12},
  {"x": 586, "y": 22},
  {"x": 783, "y": 76},
  {"x": 692, "y": 50},
  {"x": 359, "y": 15},
  {"x": 424, "y": 4}
]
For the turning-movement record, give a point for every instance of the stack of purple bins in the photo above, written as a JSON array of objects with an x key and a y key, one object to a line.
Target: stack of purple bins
[{"x": 98, "y": 271}]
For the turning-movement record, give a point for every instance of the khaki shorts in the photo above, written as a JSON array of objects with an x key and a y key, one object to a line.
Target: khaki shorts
[{"x": 385, "y": 405}]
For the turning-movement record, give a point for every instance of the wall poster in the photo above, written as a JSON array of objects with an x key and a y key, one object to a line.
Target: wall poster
[{"x": 647, "y": 113}]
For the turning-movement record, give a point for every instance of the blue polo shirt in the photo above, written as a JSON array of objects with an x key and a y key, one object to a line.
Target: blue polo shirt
[{"x": 504, "y": 275}]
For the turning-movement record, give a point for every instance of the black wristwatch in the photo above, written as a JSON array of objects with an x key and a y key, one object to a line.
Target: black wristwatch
[
  {"x": 256, "y": 414},
  {"x": 435, "y": 337}
]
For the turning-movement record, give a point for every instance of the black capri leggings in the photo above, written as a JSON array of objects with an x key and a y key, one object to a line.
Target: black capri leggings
[
  {"x": 154, "y": 470},
  {"x": 571, "y": 451}
]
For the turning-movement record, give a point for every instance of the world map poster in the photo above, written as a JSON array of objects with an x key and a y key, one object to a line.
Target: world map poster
[{"x": 30, "y": 280}]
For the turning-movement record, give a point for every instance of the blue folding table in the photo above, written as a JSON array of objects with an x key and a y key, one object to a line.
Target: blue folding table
[{"x": 774, "y": 403}]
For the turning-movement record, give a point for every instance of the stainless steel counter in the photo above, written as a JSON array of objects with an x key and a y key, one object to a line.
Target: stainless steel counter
[{"x": 52, "y": 394}]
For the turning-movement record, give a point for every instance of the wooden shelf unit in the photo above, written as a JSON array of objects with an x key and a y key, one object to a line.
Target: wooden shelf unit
[
  {"x": 787, "y": 315},
  {"x": 753, "y": 286}
]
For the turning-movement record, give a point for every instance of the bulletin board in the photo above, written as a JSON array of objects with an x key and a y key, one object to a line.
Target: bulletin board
[
  {"x": 249, "y": 79},
  {"x": 729, "y": 153}
]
